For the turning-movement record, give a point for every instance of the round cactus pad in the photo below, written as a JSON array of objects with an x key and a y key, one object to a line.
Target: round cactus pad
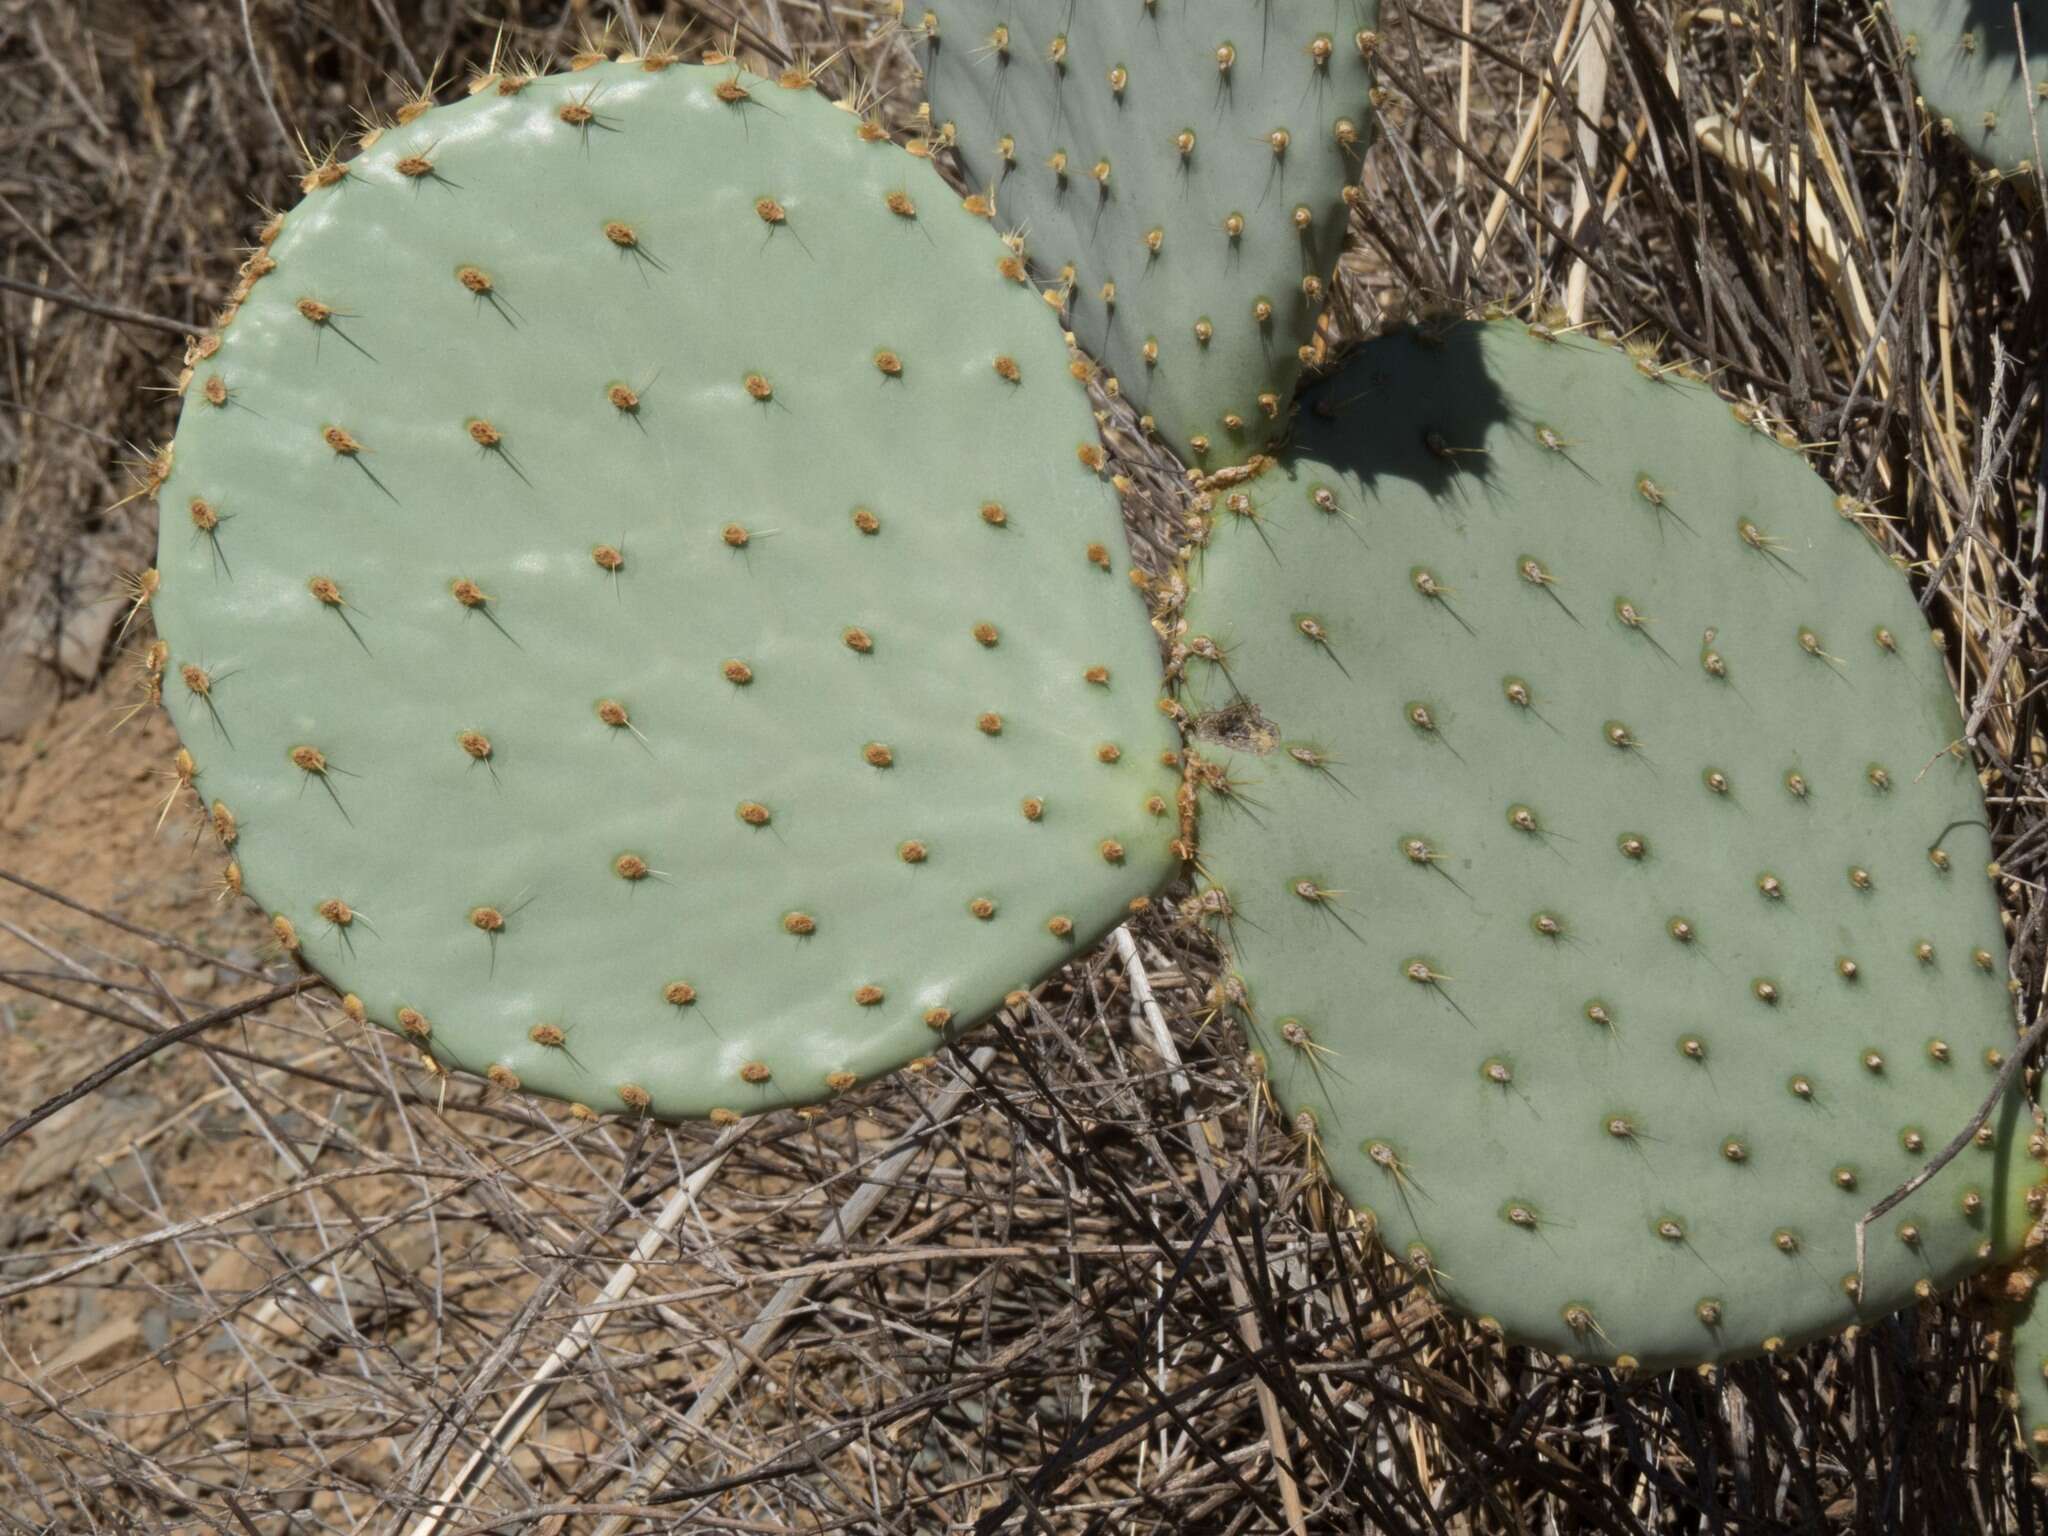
[
  {"x": 1606, "y": 896},
  {"x": 1179, "y": 168},
  {"x": 1968, "y": 65},
  {"x": 642, "y": 601}
]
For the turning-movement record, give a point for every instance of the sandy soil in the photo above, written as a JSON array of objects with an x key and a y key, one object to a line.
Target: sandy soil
[{"x": 79, "y": 812}]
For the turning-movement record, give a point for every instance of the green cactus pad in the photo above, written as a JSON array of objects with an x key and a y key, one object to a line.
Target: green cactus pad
[
  {"x": 1967, "y": 65},
  {"x": 638, "y": 555},
  {"x": 1191, "y": 153},
  {"x": 2030, "y": 1369},
  {"x": 1584, "y": 801}
]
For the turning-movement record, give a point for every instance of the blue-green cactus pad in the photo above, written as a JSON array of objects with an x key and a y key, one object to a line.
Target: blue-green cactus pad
[
  {"x": 1195, "y": 233},
  {"x": 2029, "y": 1320},
  {"x": 1589, "y": 800},
  {"x": 685, "y": 552},
  {"x": 1968, "y": 67}
]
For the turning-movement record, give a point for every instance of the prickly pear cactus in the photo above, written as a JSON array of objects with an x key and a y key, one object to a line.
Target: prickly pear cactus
[
  {"x": 2028, "y": 1315},
  {"x": 641, "y": 602},
  {"x": 1968, "y": 67},
  {"x": 1178, "y": 167},
  {"x": 1605, "y": 888}
]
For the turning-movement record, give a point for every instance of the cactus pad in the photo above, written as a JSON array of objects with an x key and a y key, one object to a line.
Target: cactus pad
[
  {"x": 2029, "y": 1322},
  {"x": 1605, "y": 895},
  {"x": 1179, "y": 169},
  {"x": 641, "y": 601},
  {"x": 1968, "y": 68}
]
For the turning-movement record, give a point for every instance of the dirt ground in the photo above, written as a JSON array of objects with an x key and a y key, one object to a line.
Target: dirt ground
[
  {"x": 80, "y": 803},
  {"x": 225, "y": 1322}
]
